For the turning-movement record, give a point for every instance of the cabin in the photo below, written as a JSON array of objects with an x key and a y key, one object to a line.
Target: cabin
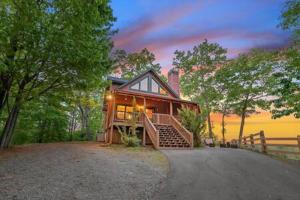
[{"x": 157, "y": 102}]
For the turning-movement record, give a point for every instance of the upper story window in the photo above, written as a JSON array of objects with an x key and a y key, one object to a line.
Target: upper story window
[
  {"x": 144, "y": 84},
  {"x": 154, "y": 87},
  {"x": 149, "y": 85}
]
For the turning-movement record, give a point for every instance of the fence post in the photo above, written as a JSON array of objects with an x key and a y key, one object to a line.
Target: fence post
[
  {"x": 263, "y": 142},
  {"x": 298, "y": 137},
  {"x": 252, "y": 141},
  {"x": 245, "y": 142}
]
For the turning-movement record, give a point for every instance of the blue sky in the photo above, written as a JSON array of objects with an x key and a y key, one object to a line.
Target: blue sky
[{"x": 163, "y": 26}]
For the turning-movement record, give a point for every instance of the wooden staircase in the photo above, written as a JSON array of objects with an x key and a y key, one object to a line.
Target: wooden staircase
[
  {"x": 166, "y": 132},
  {"x": 169, "y": 137}
]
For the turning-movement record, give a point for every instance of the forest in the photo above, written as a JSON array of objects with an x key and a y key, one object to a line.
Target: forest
[{"x": 55, "y": 57}]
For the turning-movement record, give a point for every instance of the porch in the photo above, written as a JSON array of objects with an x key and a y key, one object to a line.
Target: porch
[{"x": 151, "y": 111}]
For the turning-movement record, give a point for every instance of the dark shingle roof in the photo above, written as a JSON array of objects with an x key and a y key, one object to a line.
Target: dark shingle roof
[{"x": 117, "y": 80}]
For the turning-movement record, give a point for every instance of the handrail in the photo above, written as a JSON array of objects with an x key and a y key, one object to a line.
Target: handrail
[
  {"x": 187, "y": 135},
  {"x": 160, "y": 118},
  {"x": 151, "y": 130}
]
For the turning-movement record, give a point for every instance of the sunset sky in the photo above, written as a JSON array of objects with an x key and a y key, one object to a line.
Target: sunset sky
[{"x": 238, "y": 25}]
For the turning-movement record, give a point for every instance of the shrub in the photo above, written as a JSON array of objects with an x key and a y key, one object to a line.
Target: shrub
[{"x": 194, "y": 122}]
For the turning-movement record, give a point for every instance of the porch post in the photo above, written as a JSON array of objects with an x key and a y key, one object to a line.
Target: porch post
[
  {"x": 144, "y": 130},
  {"x": 171, "y": 108},
  {"x": 112, "y": 119}
]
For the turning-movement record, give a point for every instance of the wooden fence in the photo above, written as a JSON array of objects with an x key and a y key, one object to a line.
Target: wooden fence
[{"x": 253, "y": 141}]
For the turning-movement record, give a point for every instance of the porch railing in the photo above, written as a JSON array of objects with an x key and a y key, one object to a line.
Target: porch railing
[
  {"x": 158, "y": 118},
  {"x": 151, "y": 130},
  {"x": 139, "y": 114}
]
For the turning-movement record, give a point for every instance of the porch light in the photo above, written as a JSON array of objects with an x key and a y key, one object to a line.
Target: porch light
[{"x": 109, "y": 96}]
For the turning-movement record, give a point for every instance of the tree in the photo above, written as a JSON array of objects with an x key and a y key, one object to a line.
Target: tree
[
  {"x": 285, "y": 90},
  {"x": 286, "y": 87},
  {"x": 223, "y": 99},
  {"x": 88, "y": 104},
  {"x": 133, "y": 64},
  {"x": 249, "y": 81},
  {"x": 194, "y": 122},
  {"x": 290, "y": 17},
  {"x": 198, "y": 68},
  {"x": 50, "y": 46}
]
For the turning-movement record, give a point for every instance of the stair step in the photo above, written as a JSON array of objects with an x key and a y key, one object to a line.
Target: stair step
[{"x": 170, "y": 138}]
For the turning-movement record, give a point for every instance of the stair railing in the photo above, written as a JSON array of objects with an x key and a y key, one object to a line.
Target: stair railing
[
  {"x": 151, "y": 130},
  {"x": 187, "y": 135}
]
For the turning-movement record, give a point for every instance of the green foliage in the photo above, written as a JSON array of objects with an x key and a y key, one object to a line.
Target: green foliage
[
  {"x": 51, "y": 46},
  {"x": 43, "y": 120},
  {"x": 127, "y": 137},
  {"x": 248, "y": 81},
  {"x": 290, "y": 17},
  {"x": 286, "y": 87},
  {"x": 194, "y": 122},
  {"x": 199, "y": 66},
  {"x": 133, "y": 64}
]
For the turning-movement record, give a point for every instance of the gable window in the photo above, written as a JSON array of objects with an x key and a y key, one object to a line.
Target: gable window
[
  {"x": 136, "y": 86},
  {"x": 144, "y": 84},
  {"x": 154, "y": 86},
  {"x": 149, "y": 85}
]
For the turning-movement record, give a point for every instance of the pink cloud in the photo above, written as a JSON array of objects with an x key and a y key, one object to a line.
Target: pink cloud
[{"x": 153, "y": 23}]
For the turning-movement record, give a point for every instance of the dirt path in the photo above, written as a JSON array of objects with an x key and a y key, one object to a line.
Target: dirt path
[
  {"x": 80, "y": 171},
  {"x": 229, "y": 174}
]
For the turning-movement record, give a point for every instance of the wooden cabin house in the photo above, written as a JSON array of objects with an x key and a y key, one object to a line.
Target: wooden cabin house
[{"x": 157, "y": 102}]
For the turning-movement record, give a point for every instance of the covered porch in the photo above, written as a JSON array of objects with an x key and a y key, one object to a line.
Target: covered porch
[{"x": 157, "y": 109}]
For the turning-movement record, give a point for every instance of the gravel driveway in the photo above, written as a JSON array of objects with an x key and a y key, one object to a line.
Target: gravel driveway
[
  {"x": 229, "y": 174},
  {"x": 80, "y": 171}
]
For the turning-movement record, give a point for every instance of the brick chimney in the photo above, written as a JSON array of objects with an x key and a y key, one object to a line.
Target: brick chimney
[{"x": 173, "y": 79}]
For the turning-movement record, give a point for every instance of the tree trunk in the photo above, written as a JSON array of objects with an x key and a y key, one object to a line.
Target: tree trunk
[
  {"x": 9, "y": 126},
  {"x": 5, "y": 84},
  {"x": 11, "y": 120},
  {"x": 243, "y": 116},
  {"x": 210, "y": 132},
  {"x": 223, "y": 127},
  {"x": 85, "y": 111}
]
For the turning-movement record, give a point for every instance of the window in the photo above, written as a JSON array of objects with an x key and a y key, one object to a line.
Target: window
[
  {"x": 154, "y": 87},
  {"x": 144, "y": 84},
  {"x": 149, "y": 85},
  {"x": 128, "y": 114},
  {"x": 124, "y": 112},
  {"x": 136, "y": 86}
]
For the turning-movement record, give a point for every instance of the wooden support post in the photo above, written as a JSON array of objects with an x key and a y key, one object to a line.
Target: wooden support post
[
  {"x": 112, "y": 120},
  {"x": 171, "y": 108},
  {"x": 252, "y": 141},
  {"x": 263, "y": 142},
  {"x": 245, "y": 141},
  {"x": 298, "y": 138},
  {"x": 144, "y": 136}
]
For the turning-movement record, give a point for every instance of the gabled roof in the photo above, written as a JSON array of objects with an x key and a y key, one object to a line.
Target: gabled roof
[
  {"x": 117, "y": 80},
  {"x": 163, "y": 83}
]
